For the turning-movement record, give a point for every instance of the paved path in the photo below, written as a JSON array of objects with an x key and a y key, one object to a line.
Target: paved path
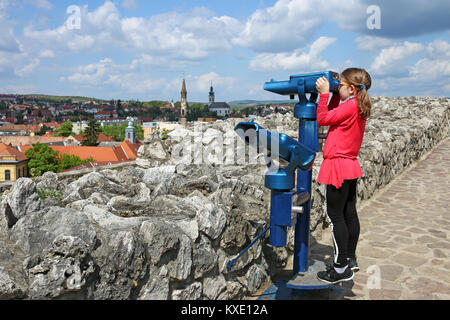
[{"x": 404, "y": 246}]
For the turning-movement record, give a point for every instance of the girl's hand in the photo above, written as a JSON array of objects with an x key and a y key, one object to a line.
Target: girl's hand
[{"x": 322, "y": 85}]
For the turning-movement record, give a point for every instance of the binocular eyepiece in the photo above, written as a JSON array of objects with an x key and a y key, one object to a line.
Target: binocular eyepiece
[
  {"x": 302, "y": 84},
  {"x": 279, "y": 145}
]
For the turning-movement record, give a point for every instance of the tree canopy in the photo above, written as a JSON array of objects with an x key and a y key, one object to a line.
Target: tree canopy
[
  {"x": 91, "y": 133},
  {"x": 65, "y": 130},
  {"x": 67, "y": 161},
  {"x": 44, "y": 159}
]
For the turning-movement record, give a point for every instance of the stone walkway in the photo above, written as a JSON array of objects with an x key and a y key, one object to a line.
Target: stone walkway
[{"x": 404, "y": 245}]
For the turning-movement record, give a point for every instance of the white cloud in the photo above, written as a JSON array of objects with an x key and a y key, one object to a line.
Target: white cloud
[
  {"x": 189, "y": 35},
  {"x": 108, "y": 73},
  {"x": 20, "y": 89},
  {"x": 429, "y": 75},
  {"x": 372, "y": 43},
  {"x": 428, "y": 69},
  {"x": 202, "y": 82},
  {"x": 8, "y": 41},
  {"x": 14, "y": 61},
  {"x": 46, "y": 53},
  {"x": 436, "y": 65},
  {"x": 23, "y": 71},
  {"x": 392, "y": 60},
  {"x": 133, "y": 84},
  {"x": 286, "y": 25},
  {"x": 438, "y": 48},
  {"x": 92, "y": 74},
  {"x": 295, "y": 61},
  {"x": 3, "y": 5},
  {"x": 291, "y": 24}
]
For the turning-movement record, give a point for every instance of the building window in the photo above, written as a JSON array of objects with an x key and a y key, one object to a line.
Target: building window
[{"x": 7, "y": 175}]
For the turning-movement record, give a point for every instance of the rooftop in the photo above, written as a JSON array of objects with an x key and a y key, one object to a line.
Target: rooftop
[{"x": 6, "y": 150}]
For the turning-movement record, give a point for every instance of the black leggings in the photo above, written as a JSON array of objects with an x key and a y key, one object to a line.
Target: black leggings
[{"x": 341, "y": 209}]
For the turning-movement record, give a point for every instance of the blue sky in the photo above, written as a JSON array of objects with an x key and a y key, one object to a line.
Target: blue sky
[{"x": 136, "y": 49}]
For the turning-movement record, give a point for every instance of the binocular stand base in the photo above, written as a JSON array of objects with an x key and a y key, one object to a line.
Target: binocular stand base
[{"x": 308, "y": 280}]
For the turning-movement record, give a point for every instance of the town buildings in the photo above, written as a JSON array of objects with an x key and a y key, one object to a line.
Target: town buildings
[
  {"x": 25, "y": 119},
  {"x": 13, "y": 163}
]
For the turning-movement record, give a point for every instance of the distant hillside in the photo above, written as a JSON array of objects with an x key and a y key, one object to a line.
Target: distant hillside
[
  {"x": 237, "y": 104},
  {"x": 259, "y": 102},
  {"x": 62, "y": 98}
]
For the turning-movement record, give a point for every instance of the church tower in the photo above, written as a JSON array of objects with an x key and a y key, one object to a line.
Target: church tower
[
  {"x": 183, "y": 104},
  {"x": 211, "y": 95},
  {"x": 130, "y": 131}
]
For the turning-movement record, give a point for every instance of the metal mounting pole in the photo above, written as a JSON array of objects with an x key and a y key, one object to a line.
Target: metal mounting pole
[{"x": 305, "y": 270}]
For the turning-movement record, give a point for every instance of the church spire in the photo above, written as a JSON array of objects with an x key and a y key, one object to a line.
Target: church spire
[
  {"x": 183, "y": 103},
  {"x": 130, "y": 131},
  {"x": 183, "y": 90},
  {"x": 211, "y": 95}
]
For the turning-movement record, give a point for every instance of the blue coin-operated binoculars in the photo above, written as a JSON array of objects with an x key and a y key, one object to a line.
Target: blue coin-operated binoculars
[
  {"x": 300, "y": 155},
  {"x": 279, "y": 180}
]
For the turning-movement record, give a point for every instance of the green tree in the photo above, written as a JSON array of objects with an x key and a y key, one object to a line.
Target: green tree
[
  {"x": 91, "y": 133},
  {"x": 67, "y": 161},
  {"x": 117, "y": 132},
  {"x": 19, "y": 118},
  {"x": 65, "y": 130},
  {"x": 42, "y": 159},
  {"x": 44, "y": 130}
]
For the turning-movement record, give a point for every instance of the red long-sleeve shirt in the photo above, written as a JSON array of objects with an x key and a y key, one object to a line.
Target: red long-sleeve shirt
[{"x": 343, "y": 141}]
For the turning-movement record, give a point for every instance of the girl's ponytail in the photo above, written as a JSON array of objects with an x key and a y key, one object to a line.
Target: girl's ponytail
[
  {"x": 362, "y": 81},
  {"x": 364, "y": 103}
]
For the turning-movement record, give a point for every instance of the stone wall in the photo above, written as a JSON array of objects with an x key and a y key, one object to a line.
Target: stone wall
[
  {"x": 397, "y": 134},
  {"x": 164, "y": 230}
]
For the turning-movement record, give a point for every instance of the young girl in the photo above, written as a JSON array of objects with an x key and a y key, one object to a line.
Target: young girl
[{"x": 340, "y": 169}]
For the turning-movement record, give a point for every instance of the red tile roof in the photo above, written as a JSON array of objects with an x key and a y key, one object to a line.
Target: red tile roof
[
  {"x": 101, "y": 138},
  {"x": 130, "y": 150},
  {"x": 19, "y": 127},
  {"x": 126, "y": 151},
  {"x": 53, "y": 125},
  {"x": 6, "y": 150}
]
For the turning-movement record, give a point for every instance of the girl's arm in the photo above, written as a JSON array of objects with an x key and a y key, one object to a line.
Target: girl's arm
[
  {"x": 334, "y": 102},
  {"x": 330, "y": 116}
]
